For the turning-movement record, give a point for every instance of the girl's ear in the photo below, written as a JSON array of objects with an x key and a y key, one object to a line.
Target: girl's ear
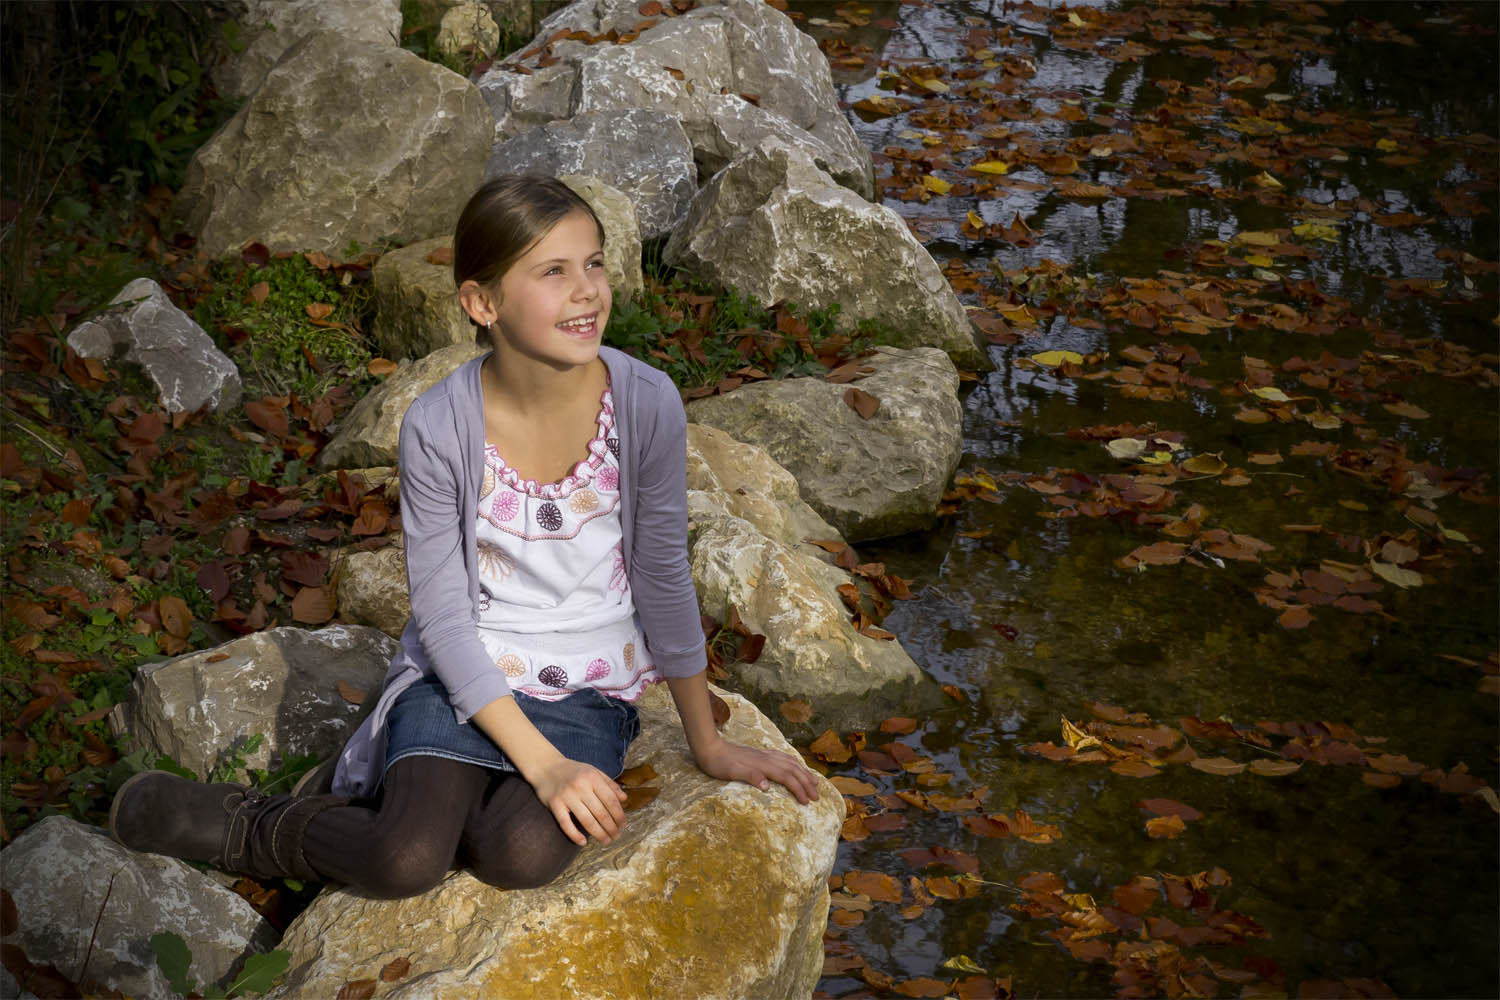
[{"x": 478, "y": 302}]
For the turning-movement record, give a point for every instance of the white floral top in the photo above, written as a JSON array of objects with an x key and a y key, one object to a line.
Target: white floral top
[{"x": 555, "y": 610}]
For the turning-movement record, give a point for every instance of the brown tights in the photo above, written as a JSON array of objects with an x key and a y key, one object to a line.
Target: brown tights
[{"x": 432, "y": 813}]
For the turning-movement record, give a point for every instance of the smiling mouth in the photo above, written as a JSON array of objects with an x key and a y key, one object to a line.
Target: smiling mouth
[{"x": 583, "y": 325}]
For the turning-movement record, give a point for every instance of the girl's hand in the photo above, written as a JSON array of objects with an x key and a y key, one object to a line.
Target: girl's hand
[
  {"x": 733, "y": 762},
  {"x": 574, "y": 790}
]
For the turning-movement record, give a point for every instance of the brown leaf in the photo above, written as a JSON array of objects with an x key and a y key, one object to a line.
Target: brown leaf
[
  {"x": 350, "y": 693},
  {"x": 442, "y": 257},
  {"x": 877, "y": 885},
  {"x": 861, "y": 402},
  {"x": 381, "y": 367},
  {"x": 176, "y": 618},
  {"x": 1217, "y": 765},
  {"x": 854, "y": 829},
  {"x": 851, "y": 786},
  {"x": 635, "y": 777},
  {"x": 635, "y": 798},
  {"x": 1164, "y": 827},
  {"x": 1169, "y": 807},
  {"x": 924, "y": 987},
  {"x": 395, "y": 969},
  {"x": 1134, "y": 767},
  {"x": 796, "y": 711},
  {"x": 268, "y": 416},
  {"x": 830, "y": 748},
  {"x": 260, "y": 291},
  {"x": 358, "y": 989},
  {"x": 313, "y": 605},
  {"x": 988, "y": 826},
  {"x": 319, "y": 310}
]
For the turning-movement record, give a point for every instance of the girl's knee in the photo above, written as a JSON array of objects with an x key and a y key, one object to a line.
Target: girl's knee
[
  {"x": 525, "y": 867},
  {"x": 411, "y": 868}
]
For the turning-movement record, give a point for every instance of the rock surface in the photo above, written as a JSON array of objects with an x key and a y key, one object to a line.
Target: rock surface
[
  {"x": 644, "y": 154},
  {"x": 714, "y": 890},
  {"x": 468, "y": 29},
  {"x": 343, "y": 141},
  {"x": 870, "y": 478},
  {"x": 775, "y": 226},
  {"x": 176, "y": 354},
  {"x": 722, "y": 52},
  {"x": 416, "y": 306},
  {"x": 79, "y": 893},
  {"x": 283, "y": 683},
  {"x": 269, "y": 27},
  {"x": 369, "y": 434},
  {"x": 745, "y": 481},
  {"x": 372, "y": 587}
]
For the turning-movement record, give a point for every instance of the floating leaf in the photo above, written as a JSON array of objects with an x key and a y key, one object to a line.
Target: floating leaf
[
  {"x": 877, "y": 885},
  {"x": 1272, "y": 393},
  {"x": 1052, "y": 359},
  {"x": 1205, "y": 465},
  {"x": 796, "y": 711},
  {"x": 1164, "y": 827},
  {"x": 1169, "y": 807},
  {"x": 1217, "y": 765},
  {"x": 852, "y": 786},
  {"x": 991, "y": 167},
  {"x": 1256, "y": 239},
  {"x": 1317, "y": 231},
  {"x": 1274, "y": 768},
  {"x": 1403, "y": 578},
  {"x": 1125, "y": 448},
  {"x": 936, "y": 184}
]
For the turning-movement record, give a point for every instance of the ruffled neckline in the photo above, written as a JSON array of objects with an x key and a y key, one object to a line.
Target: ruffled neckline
[{"x": 583, "y": 473}]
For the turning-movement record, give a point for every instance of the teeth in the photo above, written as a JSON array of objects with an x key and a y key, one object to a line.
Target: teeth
[{"x": 578, "y": 324}]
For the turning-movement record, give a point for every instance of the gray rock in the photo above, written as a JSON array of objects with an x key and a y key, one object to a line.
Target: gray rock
[
  {"x": 372, "y": 430},
  {"x": 622, "y": 236},
  {"x": 270, "y": 27},
  {"x": 869, "y": 478},
  {"x": 745, "y": 72},
  {"x": 144, "y": 327},
  {"x": 713, "y": 891},
  {"x": 73, "y": 885},
  {"x": 345, "y": 141},
  {"x": 775, "y": 226},
  {"x": 745, "y": 481},
  {"x": 644, "y": 154},
  {"x": 283, "y": 683},
  {"x": 416, "y": 306}
]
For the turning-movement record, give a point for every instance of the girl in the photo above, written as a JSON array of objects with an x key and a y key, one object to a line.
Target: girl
[{"x": 543, "y": 501}]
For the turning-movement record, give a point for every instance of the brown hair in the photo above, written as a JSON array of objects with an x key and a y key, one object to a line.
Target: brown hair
[{"x": 504, "y": 219}]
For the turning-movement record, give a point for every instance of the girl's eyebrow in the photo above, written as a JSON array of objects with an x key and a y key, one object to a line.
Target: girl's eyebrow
[{"x": 564, "y": 260}]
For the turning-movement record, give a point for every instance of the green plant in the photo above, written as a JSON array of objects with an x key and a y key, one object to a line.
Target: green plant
[{"x": 175, "y": 959}]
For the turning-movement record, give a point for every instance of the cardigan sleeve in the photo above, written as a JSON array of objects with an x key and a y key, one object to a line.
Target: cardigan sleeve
[
  {"x": 437, "y": 577},
  {"x": 661, "y": 580}
]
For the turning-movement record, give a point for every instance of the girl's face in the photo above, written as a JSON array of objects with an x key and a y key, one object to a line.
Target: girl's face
[{"x": 554, "y": 301}]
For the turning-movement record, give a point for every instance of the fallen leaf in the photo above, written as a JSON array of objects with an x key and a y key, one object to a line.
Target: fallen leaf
[
  {"x": 1403, "y": 578},
  {"x": 381, "y": 367},
  {"x": 877, "y": 885},
  {"x": 796, "y": 711},
  {"x": 924, "y": 987},
  {"x": 852, "y": 786},
  {"x": 635, "y": 798},
  {"x": 1169, "y": 807},
  {"x": 176, "y": 618},
  {"x": 350, "y": 693},
  {"x": 1274, "y": 768},
  {"x": 1164, "y": 827},
  {"x": 1217, "y": 765},
  {"x": 313, "y": 605},
  {"x": 1053, "y": 359},
  {"x": 830, "y": 748},
  {"x": 899, "y": 725},
  {"x": 861, "y": 402},
  {"x": 358, "y": 989},
  {"x": 634, "y": 777},
  {"x": 394, "y": 969}
]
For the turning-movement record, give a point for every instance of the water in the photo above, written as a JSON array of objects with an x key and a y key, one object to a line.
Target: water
[{"x": 1023, "y": 605}]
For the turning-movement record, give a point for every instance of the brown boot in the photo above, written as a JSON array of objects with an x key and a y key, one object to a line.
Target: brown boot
[{"x": 229, "y": 826}]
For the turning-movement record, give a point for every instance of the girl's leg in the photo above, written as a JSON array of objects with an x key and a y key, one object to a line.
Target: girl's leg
[
  {"x": 511, "y": 840},
  {"x": 408, "y": 841}
]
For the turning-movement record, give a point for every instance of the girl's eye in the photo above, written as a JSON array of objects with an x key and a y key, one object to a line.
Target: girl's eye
[
  {"x": 554, "y": 270},
  {"x": 596, "y": 262}
]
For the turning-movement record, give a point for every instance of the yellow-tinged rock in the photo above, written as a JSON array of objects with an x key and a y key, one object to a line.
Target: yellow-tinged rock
[{"x": 714, "y": 890}]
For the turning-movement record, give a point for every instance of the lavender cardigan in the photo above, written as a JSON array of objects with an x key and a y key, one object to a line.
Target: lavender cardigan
[{"x": 441, "y": 461}]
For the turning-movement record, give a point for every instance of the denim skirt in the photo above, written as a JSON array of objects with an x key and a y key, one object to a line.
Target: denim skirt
[{"x": 585, "y": 726}]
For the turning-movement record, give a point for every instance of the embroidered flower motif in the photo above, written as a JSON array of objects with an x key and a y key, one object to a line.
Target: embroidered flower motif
[
  {"x": 608, "y": 478},
  {"x": 484, "y": 604},
  {"x": 504, "y": 507},
  {"x": 493, "y": 560},
  {"x": 489, "y": 482},
  {"x": 512, "y": 665},
  {"x": 553, "y": 676},
  {"x": 630, "y": 656},
  {"x": 583, "y": 502},
  {"x": 548, "y": 516},
  {"x": 614, "y": 446},
  {"x": 597, "y": 669},
  {"x": 617, "y": 578}
]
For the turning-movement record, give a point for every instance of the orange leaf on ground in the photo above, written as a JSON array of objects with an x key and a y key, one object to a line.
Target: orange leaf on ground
[
  {"x": 319, "y": 310},
  {"x": 851, "y": 786},
  {"x": 381, "y": 367},
  {"x": 395, "y": 969},
  {"x": 861, "y": 402},
  {"x": 877, "y": 885},
  {"x": 830, "y": 748},
  {"x": 313, "y": 605},
  {"x": 1169, "y": 807},
  {"x": 1164, "y": 827},
  {"x": 175, "y": 616},
  {"x": 350, "y": 693}
]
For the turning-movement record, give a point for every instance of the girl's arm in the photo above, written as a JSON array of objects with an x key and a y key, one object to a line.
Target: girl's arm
[{"x": 719, "y": 758}]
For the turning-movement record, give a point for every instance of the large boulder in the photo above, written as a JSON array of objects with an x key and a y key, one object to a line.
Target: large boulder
[
  {"x": 870, "y": 478},
  {"x": 773, "y": 225},
  {"x": 371, "y": 431},
  {"x": 644, "y": 154},
  {"x": 622, "y": 233},
  {"x": 344, "y": 141},
  {"x": 713, "y": 890},
  {"x": 416, "y": 306},
  {"x": 733, "y": 72},
  {"x": 89, "y": 907},
  {"x": 745, "y": 481},
  {"x": 289, "y": 684},
  {"x": 269, "y": 27},
  {"x": 142, "y": 326}
]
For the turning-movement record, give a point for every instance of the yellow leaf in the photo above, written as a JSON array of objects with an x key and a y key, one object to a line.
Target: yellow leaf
[
  {"x": 1316, "y": 231},
  {"x": 1075, "y": 20},
  {"x": 1075, "y": 737},
  {"x": 1205, "y": 465},
  {"x": 1403, "y": 578},
  {"x": 936, "y": 184},
  {"x": 963, "y": 963},
  {"x": 975, "y": 220},
  {"x": 1387, "y": 145},
  {"x": 1125, "y": 448},
  {"x": 1256, "y": 239},
  {"x": 992, "y": 167},
  {"x": 1272, "y": 393},
  {"x": 1052, "y": 359},
  {"x": 1157, "y": 458},
  {"x": 1265, "y": 180},
  {"x": 1259, "y": 260},
  {"x": 1455, "y": 536},
  {"x": 935, "y": 85},
  {"x": 1274, "y": 768}
]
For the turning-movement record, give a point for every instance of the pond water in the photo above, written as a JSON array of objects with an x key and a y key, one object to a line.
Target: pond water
[{"x": 1269, "y": 234}]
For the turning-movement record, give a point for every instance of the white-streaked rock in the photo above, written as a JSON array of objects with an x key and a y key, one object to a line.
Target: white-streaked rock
[{"x": 270, "y": 27}]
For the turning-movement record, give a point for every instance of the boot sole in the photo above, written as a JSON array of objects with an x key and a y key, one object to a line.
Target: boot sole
[{"x": 114, "y": 806}]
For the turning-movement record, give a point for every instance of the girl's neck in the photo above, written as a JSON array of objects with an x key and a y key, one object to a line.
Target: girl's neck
[{"x": 524, "y": 386}]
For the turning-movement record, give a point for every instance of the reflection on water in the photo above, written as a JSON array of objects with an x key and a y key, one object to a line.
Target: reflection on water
[{"x": 1030, "y": 615}]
